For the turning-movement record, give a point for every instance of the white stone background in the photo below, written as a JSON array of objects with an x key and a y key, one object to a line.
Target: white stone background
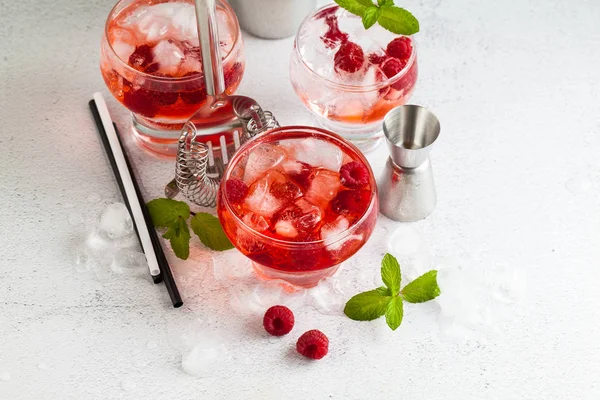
[{"x": 516, "y": 86}]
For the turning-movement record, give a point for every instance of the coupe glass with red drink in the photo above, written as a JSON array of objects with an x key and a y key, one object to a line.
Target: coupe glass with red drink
[
  {"x": 350, "y": 77},
  {"x": 298, "y": 201},
  {"x": 152, "y": 64}
]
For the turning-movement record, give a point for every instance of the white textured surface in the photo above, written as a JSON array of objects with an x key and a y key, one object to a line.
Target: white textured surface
[{"x": 516, "y": 85}]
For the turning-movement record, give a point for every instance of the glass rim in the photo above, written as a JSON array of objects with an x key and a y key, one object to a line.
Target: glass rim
[
  {"x": 312, "y": 132},
  {"x": 145, "y": 75},
  {"x": 344, "y": 86}
]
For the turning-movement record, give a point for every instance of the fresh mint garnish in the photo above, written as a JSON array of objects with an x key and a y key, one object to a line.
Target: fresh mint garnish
[
  {"x": 422, "y": 289},
  {"x": 393, "y": 18},
  {"x": 387, "y": 300},
  {"x": 173, "y": 215},
  {"x": 209, "y": 230}
]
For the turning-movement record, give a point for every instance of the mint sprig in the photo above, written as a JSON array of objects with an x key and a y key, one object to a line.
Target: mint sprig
[
  {"x": 388, "y": 300},
  {"x": 394, "y": 19},
  {"x": 173, "y": 215}
]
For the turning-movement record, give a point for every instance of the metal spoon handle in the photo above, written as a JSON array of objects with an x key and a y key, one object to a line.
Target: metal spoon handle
[{"x": 208, "y": 33}]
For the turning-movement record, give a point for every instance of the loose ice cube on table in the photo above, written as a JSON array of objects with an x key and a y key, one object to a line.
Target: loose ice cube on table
[
  {"x": 261, "y": 159},
  {"x": 319, "y": 153},
  {"x": 323, "y": 187},
  {"x": 115, "y": 221},
  {"x": 169, "y": 56}
]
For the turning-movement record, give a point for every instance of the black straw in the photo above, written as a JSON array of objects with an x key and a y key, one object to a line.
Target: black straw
[{"x": 163, "y": 264}]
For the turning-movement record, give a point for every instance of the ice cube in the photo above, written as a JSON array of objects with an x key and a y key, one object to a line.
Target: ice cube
[
  {"x": 129, "y": 262},
  {"x": 190, "y": 64},
  {"x": 319, "y": 153},
  {"x": 334, "y": 228},
  {"x": 115, "y": 221},
  {"x": 323, "y": 187},
  {"x": 203, "y": 352},
  {"x": 302, "y": 217},
  {"x": 153, "y": 27},
  {"x": 328, "y": 297},
  {"x": 260, "y": 200},
  {"x": 256, "y": 222},
  {"x": 123, "y": 43},
  {"x": 373, "y": 76},
  {"x": 286, "y": 229},
  {"x": 169, "y": 56},
  {"x": 261, "y": 159},
  {"x": 184, "y": 24}
]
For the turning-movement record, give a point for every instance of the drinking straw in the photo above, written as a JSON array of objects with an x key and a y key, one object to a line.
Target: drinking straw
[{"x": 157, "y": 262}]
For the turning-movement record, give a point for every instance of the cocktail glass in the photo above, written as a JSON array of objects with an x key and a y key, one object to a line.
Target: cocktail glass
[
  {"x": 152, "y": 64},
  {"x": 348, "y": 77},
  {"x": 298, "y": 201}
]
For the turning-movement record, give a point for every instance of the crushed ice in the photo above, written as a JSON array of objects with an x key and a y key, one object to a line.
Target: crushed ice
[{"x": 112, "y": 246}]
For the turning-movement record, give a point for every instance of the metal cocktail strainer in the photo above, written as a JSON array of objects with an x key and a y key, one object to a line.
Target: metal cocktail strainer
[{"x": 214, "y": 133}]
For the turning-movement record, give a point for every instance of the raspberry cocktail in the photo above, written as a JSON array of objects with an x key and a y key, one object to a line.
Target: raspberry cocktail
[
  {"x": 298, "y": 201},
  {"x": 151, "y": 62},
  {"x": 350, "y": 77}
]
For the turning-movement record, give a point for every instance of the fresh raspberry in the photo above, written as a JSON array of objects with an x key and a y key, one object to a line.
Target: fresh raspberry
[
  {"x": 303, "y": 176},
  {"x": 376, "y": 58},
  {"x": 141, "y": 57},
  {"x": 333, "y": 36},
  {"x": 400, "y": 48},
  {"x": 350, "y": 57},
  {"x": 140, "y": 101},
  {"x": 278, "y": 320},
  {"x": 392, "y": 66},
  {"x": 313, "y": 344},
  {"x": 351, "y": 201},
  {"x": 285, "y": 190},
  {"x": 354, "y": 174},
  {"x": 326, "y": 12},
  {"x": 236, "y": 190}
]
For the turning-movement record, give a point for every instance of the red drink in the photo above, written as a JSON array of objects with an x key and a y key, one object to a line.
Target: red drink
[
  {"x": 350, "y": 77},
  {"x": 298, "y": 201},
  {"x": 151, "y": 62}
]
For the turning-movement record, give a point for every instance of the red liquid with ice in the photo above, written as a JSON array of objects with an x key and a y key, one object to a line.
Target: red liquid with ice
[
  {"x": 297, "y": 202},
  {"x": 347, "y": 75},
  {"x": 151, "y": 59}
]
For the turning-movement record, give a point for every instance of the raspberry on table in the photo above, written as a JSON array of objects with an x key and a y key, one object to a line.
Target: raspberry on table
[
  {"x": 313, "y": 344},
  {"x": 278, "y": 320},
  {"x": 236, "y": 190},
  {"x": 400, "y": 48},
  {"x": 354, "y": 174},
  {"x": 350, "y": 57}
]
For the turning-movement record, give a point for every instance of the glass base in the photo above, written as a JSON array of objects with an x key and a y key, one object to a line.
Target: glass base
[
  {"x": 365, "y": 137},
  {"x": 306, "y": 279},
  {"x": 160, "y": 139}
]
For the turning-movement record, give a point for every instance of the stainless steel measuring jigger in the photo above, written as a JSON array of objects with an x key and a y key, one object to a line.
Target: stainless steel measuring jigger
[{"x": 407, "y": 191}]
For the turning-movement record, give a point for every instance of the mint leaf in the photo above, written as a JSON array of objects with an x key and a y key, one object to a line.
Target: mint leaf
[
  {"x": 390, "y": 273},
  {"x": 370, "y": 16},
  {"x": 357, "y": 7},
  {"x": 398, "y": 20},
  {"x": 422, "y": 289},
  {"x": 366, "y": 306},
  {"x": 383, "y": 291},
  {"x": 394, "y": 313},
  {"x": 209, "y": 230},
  {"x": 165, "y": 212},
  {"x": 385, "y": 2},
  {"x": 179, "y": 237}
]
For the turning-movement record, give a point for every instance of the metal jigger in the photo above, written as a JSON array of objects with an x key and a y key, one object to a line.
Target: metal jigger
[{"x": 407, "y": 191}]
